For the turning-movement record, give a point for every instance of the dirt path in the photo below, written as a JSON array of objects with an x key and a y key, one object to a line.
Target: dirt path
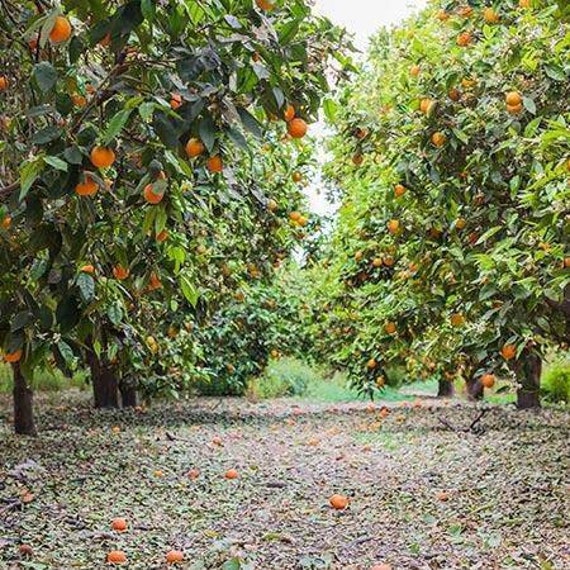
[{"x": 422, "y": 496}]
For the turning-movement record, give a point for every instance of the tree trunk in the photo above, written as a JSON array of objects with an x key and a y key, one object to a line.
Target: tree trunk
[
  {"x": 446, "y": 389},
  {"x": 128, "y": 391},
  {"x": 23, "y": 404},
  {"x": 528, "y": 370},
  {"x": 104, "y": 380},
  {"x": 475, "y": 390}
]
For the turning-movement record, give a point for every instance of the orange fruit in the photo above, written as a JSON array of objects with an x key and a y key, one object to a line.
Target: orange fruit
[
  {"x": 265, "y": 5},
  {"x": 116, "y": 557},
  {"x": 514, "y": 109},
  {"x": 162, "y": 236},
  {"x": 88, "y": 187},
  {"x": 339, "y": 502},
  {"x": 102, "y": 157},
  {"x": 509, "y": 351},
  {"x": 13, "y": 357},
  {"x": 119, "y": 524},
  {"x": 61, "y": 30},
  {"x": 194, "y": 148},
  {"x": 442, "y": 16},
  {"x": 442, "y": 496},
  {"x": 297, "y": 128},
  {"x": 468, "y": 82},
  {"x": 105, "y": 40},
  {"x": 399, "y": 190},
  {"x": 289, "y": 113},
  {"x": 454, "y": 94},
  {"x": 174, "y": 556},
  {"x": 393, "y": 226},
  {"x": 193, "y": 473},
  {"x": 425, "y": 105},
  {"x": 297, "y": 177},
  {"x": 78, "y": 100},
  {"x": 457, "y": 319},
  {"x": 87, "y": 269},
  {"x": 120, "y": 273},
  {"x": 438, "y": 139},
  {"x": 460, "y": 223},
  {"x": 488, "y": 380},
  {"x": 358, "y": 255},
  {"x": 154, "y": 282},
  {"x": 175, "y": 101},
  {"x": 524, "y": 3},
  {"x": 490, "y": 16},
  {"x": 158, "y": 473},
  {"x": 295, "y": 216},
  {"x": 390, "y": 328},
  {"x": 388, "y": 261},
  {"x": 151, "y": 196},
  {"x": 6, "y": 222},
  {"x": 371, "y": 364},
  {"x": 567, "y": 262},
  {"x": 415, "y": 70},
  {"x": 303, "y": 221},
  {"x": 231, "y": 474},
  {"x": 465, "y": 11},
  {"x": 464, "y": 39},
  {"x": 3, "y": 83},
  {"x": 377, "y": 262},
  {"x": 215, "y": 164},
  {"x": 357, "y": 159},
  {"x": 513, "y": 98}
]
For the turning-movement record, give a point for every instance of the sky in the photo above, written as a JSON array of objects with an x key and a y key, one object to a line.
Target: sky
[{"x": 362, "y": 18}]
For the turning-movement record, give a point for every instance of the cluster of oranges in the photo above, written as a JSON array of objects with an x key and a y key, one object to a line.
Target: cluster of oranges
[{"x": 296, "y": 127}]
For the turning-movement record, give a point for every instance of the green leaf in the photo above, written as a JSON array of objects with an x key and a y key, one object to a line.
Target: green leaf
[
  {"x": 529, "y": 105},
  {"x": 56, "y": 162},
  {"x": 115, "y": 313},
  {"x": 44, "y": 75},
  {"x": 86, "y": 285},
  {"x": 67, "y": 353},
  {"x": 207, "y": 131},
  {"x": 330, "y": 108},
  {"x": 250, "y": 123},
  {"x": 188, "y": 290},
  {"x": 116, "y": 125},
  {"x": 29, "y": 173},
  {"x": 160, "y": 219}
]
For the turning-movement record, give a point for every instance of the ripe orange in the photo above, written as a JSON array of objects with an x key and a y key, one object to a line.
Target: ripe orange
[
  {"x": 514, "y": 109},
  {"x": 231, "y": 474},
  {"x": 377, "y": 262},
  {"x": 297, "y": 128},
  {"x": 390, "y": 328},
  {"x": 154, "y": 282},
  {"x": 454, "y": 94},
  {"x": 438, "y": 139},
  {"x": 388, "y": 260},
  {"x": 490, "y": 16},
  {"x": 87, "y": 269},
  {"x": 399, "y": 190},
  {"x": 357, "y": 159},
  {"x": 116, "y": 557},
  {"x": 215, "y": 164},
  {"x": 88, "y": 187},
  {"x": 151, "y": 196},
  {"x": 295, "y": 216},
  {"x": 339, "y": 502},
  {"x": 265, "y": 5},
  {"x": 105, "y": 40},
  {"x": 393, "y": 226},
  {"x": 513, "y": 98},
  {"x": 175, "y": 101},
  {"x": 464, "y": 39},
  {"x": 174, "y": 556},
  {"x": 303, "y": 221},
  {"x": 193, "y": 474},
  {"x": 457, "y": 319},
  {"x": 358, "y": 255},
  {"x": 509, "y": 351},
  {"x": 567, "y": 262},
  {"x": 468, "y": 82},
  {"x": 297, "y": 177},
  {"x": 194, "y": 148},
  {"x": 425, "y": 105},
  {"x": 442, "y": 16},
  {"x": 6, "y": 222},
  {"x": 3, "y": 83},
  {"x": 78, "y": 100},
  {"x": 13, "y": 357},
  {"x": 119, "y": 524},
  {"x": 371, "y": 364},
  {"x": 465, "y": 11},
  {"x": 415, "y": 70},
  {"x": 488, "y": 380},
  {"x": 460, "y": 223},
  {"x": 162, "y": 236},
  {"x": 289, "y": 113},
  {"x": 61, "y": 30},
  {"x": 102, "y": 157},
  {"x": 120, "y": 273}
]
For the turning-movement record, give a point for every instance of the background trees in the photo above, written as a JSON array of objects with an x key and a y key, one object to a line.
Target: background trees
[
  {"x": 133, "y": 173},
  {"x": 452, "y": 159}
]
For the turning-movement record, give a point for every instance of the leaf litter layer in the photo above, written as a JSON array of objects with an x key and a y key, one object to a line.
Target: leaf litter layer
[{"x": 422, "y": 496}]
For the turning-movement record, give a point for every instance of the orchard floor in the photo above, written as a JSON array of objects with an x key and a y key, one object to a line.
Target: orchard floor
[{"x": 421, "y": 495}]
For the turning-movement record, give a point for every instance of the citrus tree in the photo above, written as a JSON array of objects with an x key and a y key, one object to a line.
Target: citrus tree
[
  {"x": 129, "y": 131},
  {"x": 452, "y": 161}
]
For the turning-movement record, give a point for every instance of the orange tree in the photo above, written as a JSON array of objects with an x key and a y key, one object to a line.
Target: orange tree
[
  {"x": 128, "y": 132},
  {"x": 452, "y": 159}
]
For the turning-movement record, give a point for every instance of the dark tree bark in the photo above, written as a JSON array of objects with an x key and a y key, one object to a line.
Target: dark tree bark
[
  {"x": 445, "y": 389},
  {"x": 475, "y": 390},
  {"x": 128, "y": 391},
  {"x": 23, "y": 404},
  {"x": 528, "y": 370},
  {"x": 104, "y": 380}
]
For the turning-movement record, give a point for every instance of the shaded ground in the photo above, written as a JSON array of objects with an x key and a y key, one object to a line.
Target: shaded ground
[{"x": 422, "y": 496}]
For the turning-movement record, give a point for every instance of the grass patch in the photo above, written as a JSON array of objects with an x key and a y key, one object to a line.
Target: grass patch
[{"x": 45, "y": 380}]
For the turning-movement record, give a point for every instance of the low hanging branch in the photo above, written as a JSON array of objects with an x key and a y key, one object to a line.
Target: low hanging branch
[{"x": 474, "y": 427}]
